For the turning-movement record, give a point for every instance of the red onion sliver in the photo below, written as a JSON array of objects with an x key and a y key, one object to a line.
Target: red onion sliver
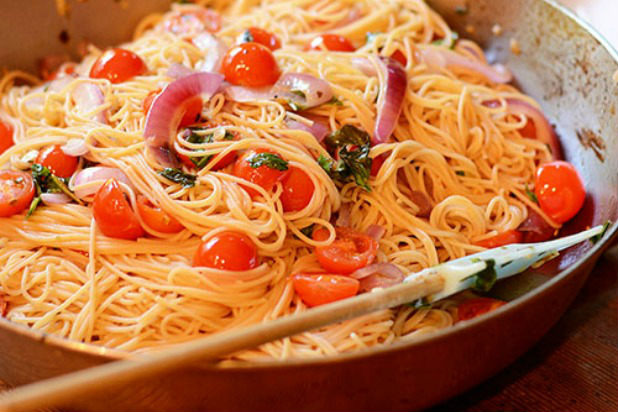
[
  {"x": 423, "y": 202},
  {"x": 177, "y": 70},
  {"x": 535, "y": 228},
  {"x": 55, "y": 198},
  {"x": 380, "y": 275},
  {"x": 214, "y": 50},
  {"x": 544, "y": 130},
  {"x": 168, "y": 108},
  {"x": 243, "y": 94},
  {"x": 314, "y": 91},
  {"x": 75, "y": 147},
  {"x": 365, "y": 66},
  {"x": 88, "y": 97},
  {"x": 442, "y": 57},
  {"x": 376, "y": 232},
  {"x": 343, "y": 219},
  {"x": 391, "y": 101},
  {"x": 97, "y": 175},
  {"x": 317, "y": 129}
]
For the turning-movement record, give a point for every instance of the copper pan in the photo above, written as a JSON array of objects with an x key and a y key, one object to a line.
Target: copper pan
[{"x": 563, "y": 63}]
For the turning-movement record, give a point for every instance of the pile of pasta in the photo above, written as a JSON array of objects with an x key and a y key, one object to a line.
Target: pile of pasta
[{"x": 469, "y": 160}]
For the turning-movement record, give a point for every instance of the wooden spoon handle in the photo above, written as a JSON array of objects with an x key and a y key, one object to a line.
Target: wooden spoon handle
[{"x": 62, "y": 389}]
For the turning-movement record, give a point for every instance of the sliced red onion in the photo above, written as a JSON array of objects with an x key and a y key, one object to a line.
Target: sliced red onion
[
  {"x": 343, "y": 219},
  {"x": 391, "y": 101},
  {"x": 214, "y": 50},
  {"x": 544, "y": 130},
  {"x": 376, "y": 232},
  {"x": 535, "y": 228},
  {"x": 304, "y": 90},
  {"x": 88, "y": 97},
  {"x": 55, "y": 198},
  {"x": 55, "y": 86},
  {"x": 243, "y": 94},
  {"x": 95, "y": 177},
  {"x": 423, "y": 202},
  {"x": 317, "y": 129},
  {"x": 75, "y": 147},
  {"x": 365, "y": 66},
  {"x": 442, "y": 57},
  {"x": 168, "y": 108},
  {"x": 378, "y": 275},
  {"x": 177, "y": 70}
]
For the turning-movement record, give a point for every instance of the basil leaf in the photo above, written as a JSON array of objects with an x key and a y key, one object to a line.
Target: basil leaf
[
  {"x": 178, "y": 176},
  {"x": 598, "y": 237},
  {"x": 335, "y": 101},
  {"x": 351, "y": 145},
  {"x": 486, "y": 278},
  {"x": 299, "y": 93},
  {"x": 531, "y": 195},
  {"x": 348, "y": 134},
  {"x": 246, "y": 37},
  {"x": 325, "y": 163},
  {"x": 454, "y": 38},
  {"x": 460, "y": 173},
  {"x": 271, "y": 160},
  {"x": 33, "y": 205},
  {"x": 308, "y": 231}
]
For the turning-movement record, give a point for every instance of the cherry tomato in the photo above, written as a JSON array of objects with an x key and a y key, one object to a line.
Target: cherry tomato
[
  {"x": 529, "y": 130},
  {"x": 227, "y": 251},
  {"x": 58, "y": 162},
  {"x": 535, "y": 228},
  {"x": 332, "y": 42},
  {"x": 376, "y": 164},
  {"x": 263, "y": 176},
  {"x": 250, "y": 64},
  {"x": 265, "y": 38},
  {"x": 6, "y": 136},
  {"x": 350, "y": 251},
  {"x": 156, "y": 218},
  {"x": 16, "y": 192},
  {"x": 317, "y": 290},
  {"x": 400, "y": 57},
  {"x": 501, "y": 239},
  {"x": 193, "y": 21},
  {"x": 560, "y": 190},
  {"x": 298, "y": 190},
  {"x": 113, "y": 213},
  {"x": 476, "y": 307},
  {"x": 118, "y": 65}
]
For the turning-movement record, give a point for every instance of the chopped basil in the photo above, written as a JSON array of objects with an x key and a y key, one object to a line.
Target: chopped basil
[
  {"x": 460, "y": 173},
  {"x": 350, "y": 146},
  {"x": 454, "y": 38},
  {"x": 531, "y": 195},
  {"x": 335, "y": 101},
  {"x": 178, "y": 176},
  {"x": 296, "y": 106},
  {"x": 308, "y": 231},
  {"x": 246, "y": 37},
  {"x": 271, "y": 160},
  {"x": 195, "y": 138},
  {"x": 486, "y": 278},
  {"x": 46, "y": 182},
  {"x": 33, "y": 205},
  {"x": 598, "y": 237},
  {"x": 299, "y": 93}
]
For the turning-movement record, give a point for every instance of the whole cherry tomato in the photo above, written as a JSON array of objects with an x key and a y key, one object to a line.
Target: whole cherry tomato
[
  {"x": 227, "y": 251},
  {"x": 560, "y": 190},
  {"x": 264, "y": 174},
  {"x": 58, "y": 162},
  {"x": 118, "y": 65},
  {"x": 298, "y": 190},
  {"x": 250, "y": 64},
  {"x": 113, "y": 213}
]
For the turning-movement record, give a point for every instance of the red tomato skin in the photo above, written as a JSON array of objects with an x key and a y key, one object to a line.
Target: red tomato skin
[
  {"x": 400, "y": 57},
  {"x": 118, "y": 65},
  {"x": 298, "y": 190},
  {"x": 262, "y": 176},
  {"x": 227, "y": 251},
  {"x": 560, "y": 190},
  {"x": 58, "y": 162},
  {"x": 6, "y": 136},
  {"x": 16, "y": 192},
  {"x": 250, "y": 64},
  {"x": 315, "y": 290},
  {"x": 264, "y": 38},
  {"x": 332, "y": 42},
  {"x": 113, "y": 214},
  {"x": 350, "y": 251},
  {"x": 156, "y": 218},
  {"x": 147, "y": 103},
  {"x": 502, "y": 239},
  {"x": 376, "y": 164},
  {"x": 472, "y": 308}
]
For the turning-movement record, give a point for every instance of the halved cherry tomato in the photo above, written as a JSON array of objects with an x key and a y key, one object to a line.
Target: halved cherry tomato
[
  {"x": 58, "y": 162},
  {"x": 298, "y": 190},
  {"x": 193, "y": 21},
  {"x": 332, "y": 42},
  {"x": 227, "y": 251},
  {"x": 263, "y": 176},
  {"x": 113, "y": 213},
  {"x": 501, "y": 239},
  {"x": 476, "y": 307},
  {"x": 529, "y": 130},
  {"x": 224, "y": 162},
  {"x": 156, "y": 218},
  {"x": 265, "y": 38},
  {"x": 250, "y": 64},
  {"x": 317, "y": 290},
  {"x": 118, "y": 65},
  {"x": 6, "y": 136},
  {"x": 16, "y": 192},
  {"x": 191, "y": 115},
  {"x": 350, "y": 251},
  {"x": 400, "y": 57},
  {"x": 560, "y": 190},
  {"x": 376, "y": 164}
]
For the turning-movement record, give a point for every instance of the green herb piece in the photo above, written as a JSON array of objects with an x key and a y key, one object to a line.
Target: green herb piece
[
  {"x": 178, "y": 176},
  {"x": 486, "y": 278},
  {"x": 33, "y": 205},
  {"x": 335, "y": 101},
  {"x": 228, "y": 135},
  {"x": 461, "y": 10},
  {"x": 351, "y": 146},
  {"x": 454, "y": 38},
  {"x": 271, "y": 160},
  {"x": 297, "y": 107},
  {"x": 246, "y": 37},
  {"x": 460, "y": 173},
  {"x": 299, "y": 93},
  {"x": 308, "y": 231},
  {"x": 325, "y": 163},
  {"x": 46, "y": 182},
  {"x": 531, "y": 195},
  {"x": 195, "y": 138},
  {"x": 420, "y": 303},
  {"x": 348, "y": 134},
  {"x": 598, "y": 237}
]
